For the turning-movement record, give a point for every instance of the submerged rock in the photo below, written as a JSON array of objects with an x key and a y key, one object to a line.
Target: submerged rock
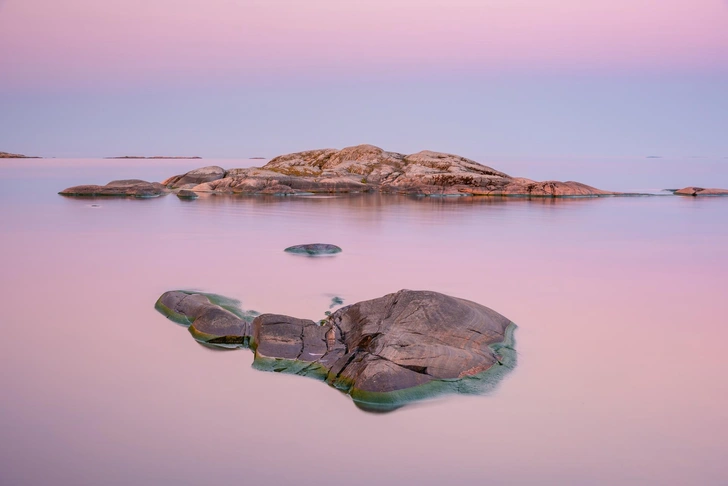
[
  {"x": 129, "y": 187},
  {"x": 699, "y": 191},
  {"x": 384, "y": 352},
  {"x": 314, "y": 249},
  {"x": 187, "y": 194}
]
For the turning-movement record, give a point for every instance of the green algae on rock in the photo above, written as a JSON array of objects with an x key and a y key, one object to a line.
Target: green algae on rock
[
  {"x": 384, "y": 353},
  {"x": 314, "y": 249}
]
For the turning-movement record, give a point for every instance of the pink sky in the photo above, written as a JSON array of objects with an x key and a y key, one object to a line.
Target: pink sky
[{"x": 49, "y": 42}]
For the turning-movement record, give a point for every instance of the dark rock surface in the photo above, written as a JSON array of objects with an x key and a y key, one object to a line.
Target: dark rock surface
[
  {"x": 384, "y": 352},
  {"x": 699, "y": 191},
  {"x": 130, "y": 187},
  {"x": 212, "y": 319},
  {"x": 187, "y": 194},
  {"x": 314, "y": 249}
]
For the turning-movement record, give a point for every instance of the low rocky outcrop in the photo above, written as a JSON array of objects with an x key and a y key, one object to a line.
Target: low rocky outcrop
[
  {"x": 314, "y": 249},
  {"x": 130, "y": 187},
  {"x": 366, "y": 168},
  {"x": 699, "y": 191},
  {"x": 384, "y": 352}
]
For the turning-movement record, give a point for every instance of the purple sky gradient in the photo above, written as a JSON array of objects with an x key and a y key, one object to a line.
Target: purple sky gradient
[{"x": 63, "y": 59}]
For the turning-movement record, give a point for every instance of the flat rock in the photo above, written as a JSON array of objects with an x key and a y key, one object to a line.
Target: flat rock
[
  {"x": 314, "y": 249},
  {"x": 699, "y": 191},
  {"x": 384, "y": 352},
  {"x": 129, "y": 187}
]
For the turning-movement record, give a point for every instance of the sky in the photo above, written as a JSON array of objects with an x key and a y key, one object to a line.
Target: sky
[{"x": 242, "y": 78}]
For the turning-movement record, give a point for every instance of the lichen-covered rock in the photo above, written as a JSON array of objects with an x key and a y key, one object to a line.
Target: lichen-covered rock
[
  {"x": 314, "y": 249},
  {"x": 384, "y": 352},
  {"x": 699, "y": 191},
  {"x": 129, "y": 187}
]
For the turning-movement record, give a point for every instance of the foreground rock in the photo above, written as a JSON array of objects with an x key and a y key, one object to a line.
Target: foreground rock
[
  {"x": 130, "y": 187},
  {"x": 366, "y": 168},
  {"x": 314, "y": 249},
  {"x": 384, "y": 352},
  {"x": 699, "y": 191},
  {"x": 212, "y": 319}
]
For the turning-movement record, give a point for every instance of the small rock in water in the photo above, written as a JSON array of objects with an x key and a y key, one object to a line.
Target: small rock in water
[
  {"x": 187, "y": 194},
  {"x": 314, "y": 249}
]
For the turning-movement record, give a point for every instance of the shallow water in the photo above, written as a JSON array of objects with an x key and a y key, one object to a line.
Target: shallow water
[{"x": 620, "y": 302}]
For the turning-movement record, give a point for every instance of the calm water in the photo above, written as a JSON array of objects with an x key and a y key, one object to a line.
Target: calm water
[{"x": 621, "y": 306}]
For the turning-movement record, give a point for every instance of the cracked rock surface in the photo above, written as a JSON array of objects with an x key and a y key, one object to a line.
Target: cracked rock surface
[{"x": 383, "y": 352}]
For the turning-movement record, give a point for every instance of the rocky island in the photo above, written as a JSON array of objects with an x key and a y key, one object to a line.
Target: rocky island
[
  {"x": 363, "y": 168},
  {"x": 359, "y": 169},
  {"x": 384, "y": 352}
]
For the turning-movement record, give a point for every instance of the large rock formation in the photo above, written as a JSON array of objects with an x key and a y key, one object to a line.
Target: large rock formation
[
  {"x": 384, "y": 352},
  {"x": 129, "y": 187},
  {"x": 699, "y": 191},
  {"x": 365, "y": 168}
]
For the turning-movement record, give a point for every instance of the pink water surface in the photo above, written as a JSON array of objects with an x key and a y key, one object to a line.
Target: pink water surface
[{"x": 620, "y": 302}]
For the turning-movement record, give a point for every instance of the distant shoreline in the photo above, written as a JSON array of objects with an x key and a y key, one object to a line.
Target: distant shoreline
[
  {"x": 156, "y": 157},
  {"x": 8, "y": 155}
]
